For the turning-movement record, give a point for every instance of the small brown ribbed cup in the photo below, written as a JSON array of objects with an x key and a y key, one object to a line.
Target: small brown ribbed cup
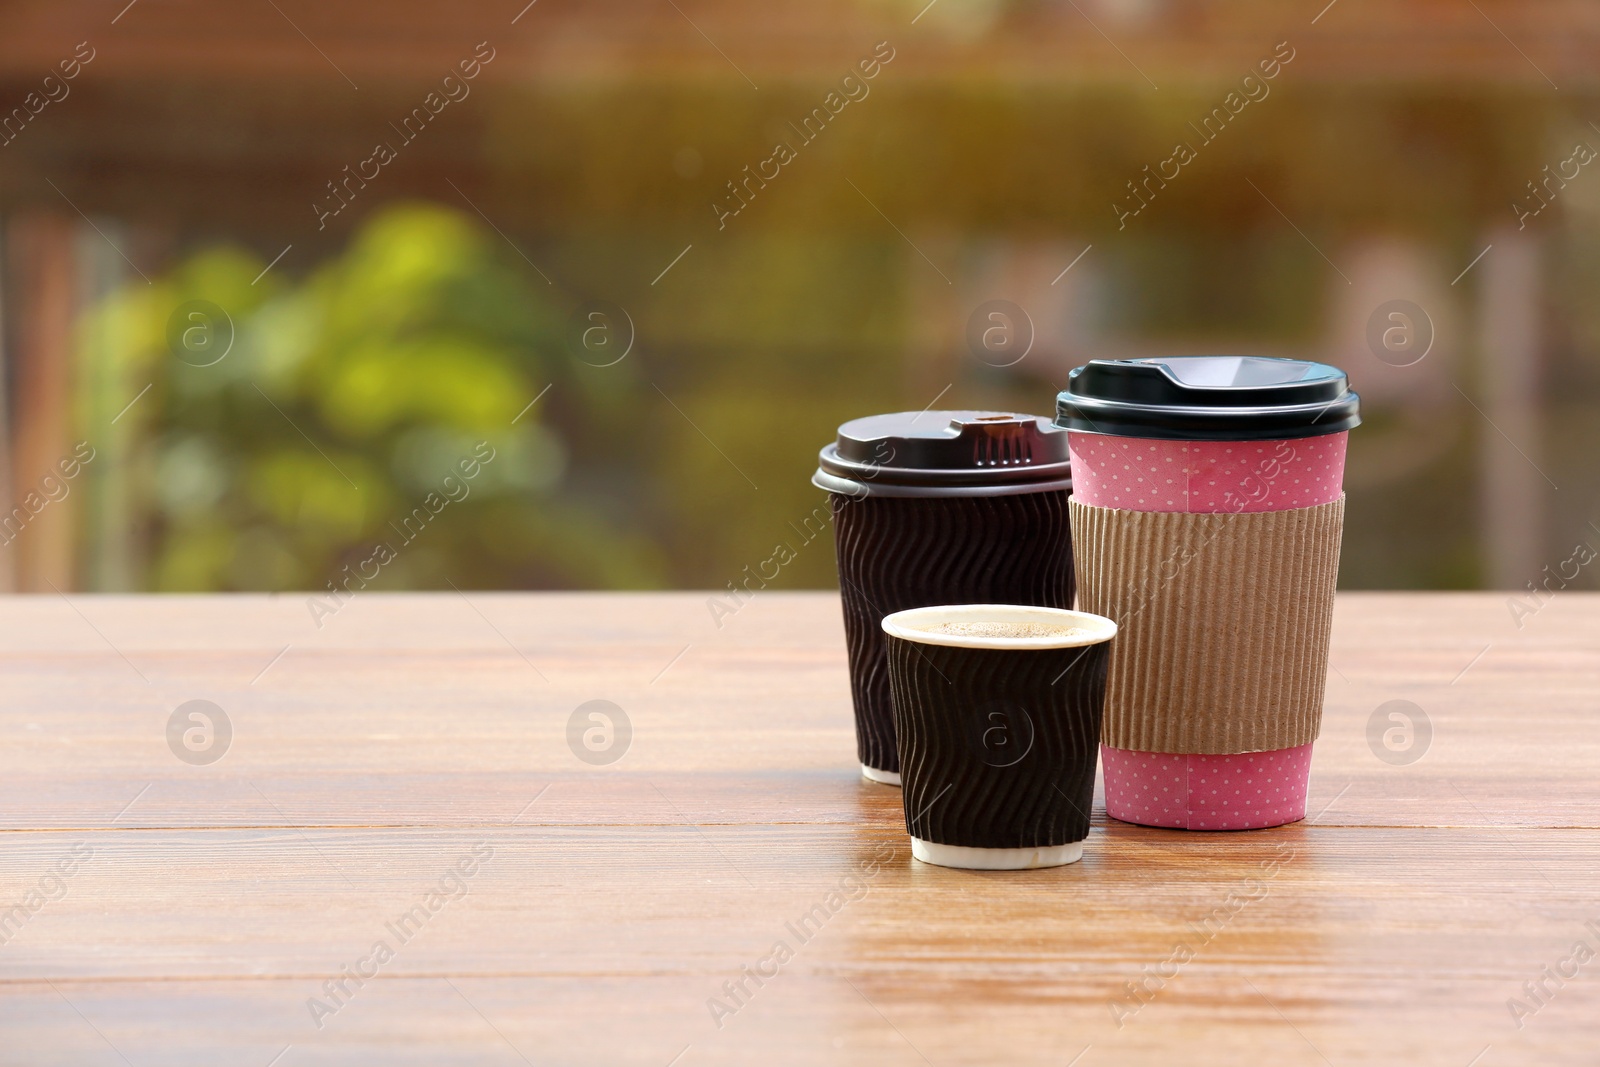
[{"x": 997, "y": 735}]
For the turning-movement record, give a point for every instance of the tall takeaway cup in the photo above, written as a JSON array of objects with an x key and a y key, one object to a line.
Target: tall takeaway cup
[
  {"x": 1206, "y": 519},
  {"x": 940, "y": 507}
]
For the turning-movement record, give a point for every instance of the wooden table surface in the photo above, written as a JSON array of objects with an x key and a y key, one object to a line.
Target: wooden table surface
[{"x": 168, "y": 912}]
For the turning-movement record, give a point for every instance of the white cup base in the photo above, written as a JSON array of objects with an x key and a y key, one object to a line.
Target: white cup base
[
  {"x": 996, "y": 859},
  {"x": 872, "y": 774}
]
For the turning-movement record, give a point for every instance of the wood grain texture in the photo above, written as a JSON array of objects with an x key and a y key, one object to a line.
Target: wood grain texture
[{"x": 209, "y": 904}]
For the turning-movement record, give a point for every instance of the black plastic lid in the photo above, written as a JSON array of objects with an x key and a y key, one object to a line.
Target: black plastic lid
[
  {"x": 945, "y": 453},
  {"x": 1203, "y": 398}
]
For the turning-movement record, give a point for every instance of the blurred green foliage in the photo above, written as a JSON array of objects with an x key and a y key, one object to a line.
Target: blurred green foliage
[{"x": 342, "y": 402}]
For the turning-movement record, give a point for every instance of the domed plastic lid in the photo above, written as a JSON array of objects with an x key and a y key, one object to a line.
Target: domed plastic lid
[
  {"x": 945, "y": 453},
  {"x": 1200, "y": 398}
]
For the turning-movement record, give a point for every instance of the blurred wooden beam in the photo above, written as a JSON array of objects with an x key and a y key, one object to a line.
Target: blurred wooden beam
[
  {"x": 8, "y": 558},
  {"x": 38, "y": 532},
  {"x": 1514, "y": 485},
  {"x": 1095, "y": 42}
]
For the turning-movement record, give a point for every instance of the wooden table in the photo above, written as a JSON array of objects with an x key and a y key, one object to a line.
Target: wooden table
[{"x": 589, "y": 912}]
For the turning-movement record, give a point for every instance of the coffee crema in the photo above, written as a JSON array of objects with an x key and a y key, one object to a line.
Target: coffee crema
[{"x": 993, "y": 628}]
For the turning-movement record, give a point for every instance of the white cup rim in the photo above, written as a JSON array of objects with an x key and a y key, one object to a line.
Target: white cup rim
[{"x": 909, "y": 625}]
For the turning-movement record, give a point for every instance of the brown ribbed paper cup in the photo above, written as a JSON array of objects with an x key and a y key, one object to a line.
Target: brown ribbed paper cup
[
  {"x": 998, "y": 712},
  {"x": 940, "y": 507},
  {"x": 897, "y": 553}
]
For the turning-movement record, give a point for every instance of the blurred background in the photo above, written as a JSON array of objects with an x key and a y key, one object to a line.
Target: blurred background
[{"x": 567, "y": 295}]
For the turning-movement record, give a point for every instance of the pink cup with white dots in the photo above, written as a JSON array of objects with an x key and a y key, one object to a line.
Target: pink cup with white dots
[{"x": 1207, "y": 434}]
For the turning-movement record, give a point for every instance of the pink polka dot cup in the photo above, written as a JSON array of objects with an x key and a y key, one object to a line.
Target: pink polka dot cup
[{"x": 1206, "y": 435}]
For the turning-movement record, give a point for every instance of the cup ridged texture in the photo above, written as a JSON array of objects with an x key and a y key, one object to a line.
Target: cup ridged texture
[
  {"x": 912, "y": 552},
  {"x": 1224, "y": 623},
  {"x": 961, "y": 786}
]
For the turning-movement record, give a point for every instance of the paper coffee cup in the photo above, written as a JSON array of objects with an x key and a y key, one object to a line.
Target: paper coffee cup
[
  {"x": 997, "y": 710},
  {"x": 940, "y": 507},
  {"x": 1257, "y": 445}
]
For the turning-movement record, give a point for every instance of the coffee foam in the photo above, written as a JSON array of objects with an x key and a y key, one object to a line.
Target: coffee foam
[
  {"x": 999, "y": 626},
  {"x": 992, "y": 628}
]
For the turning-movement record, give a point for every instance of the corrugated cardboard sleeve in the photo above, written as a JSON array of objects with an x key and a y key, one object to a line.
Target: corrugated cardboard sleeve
[{"x": 1223, "y": 620}]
